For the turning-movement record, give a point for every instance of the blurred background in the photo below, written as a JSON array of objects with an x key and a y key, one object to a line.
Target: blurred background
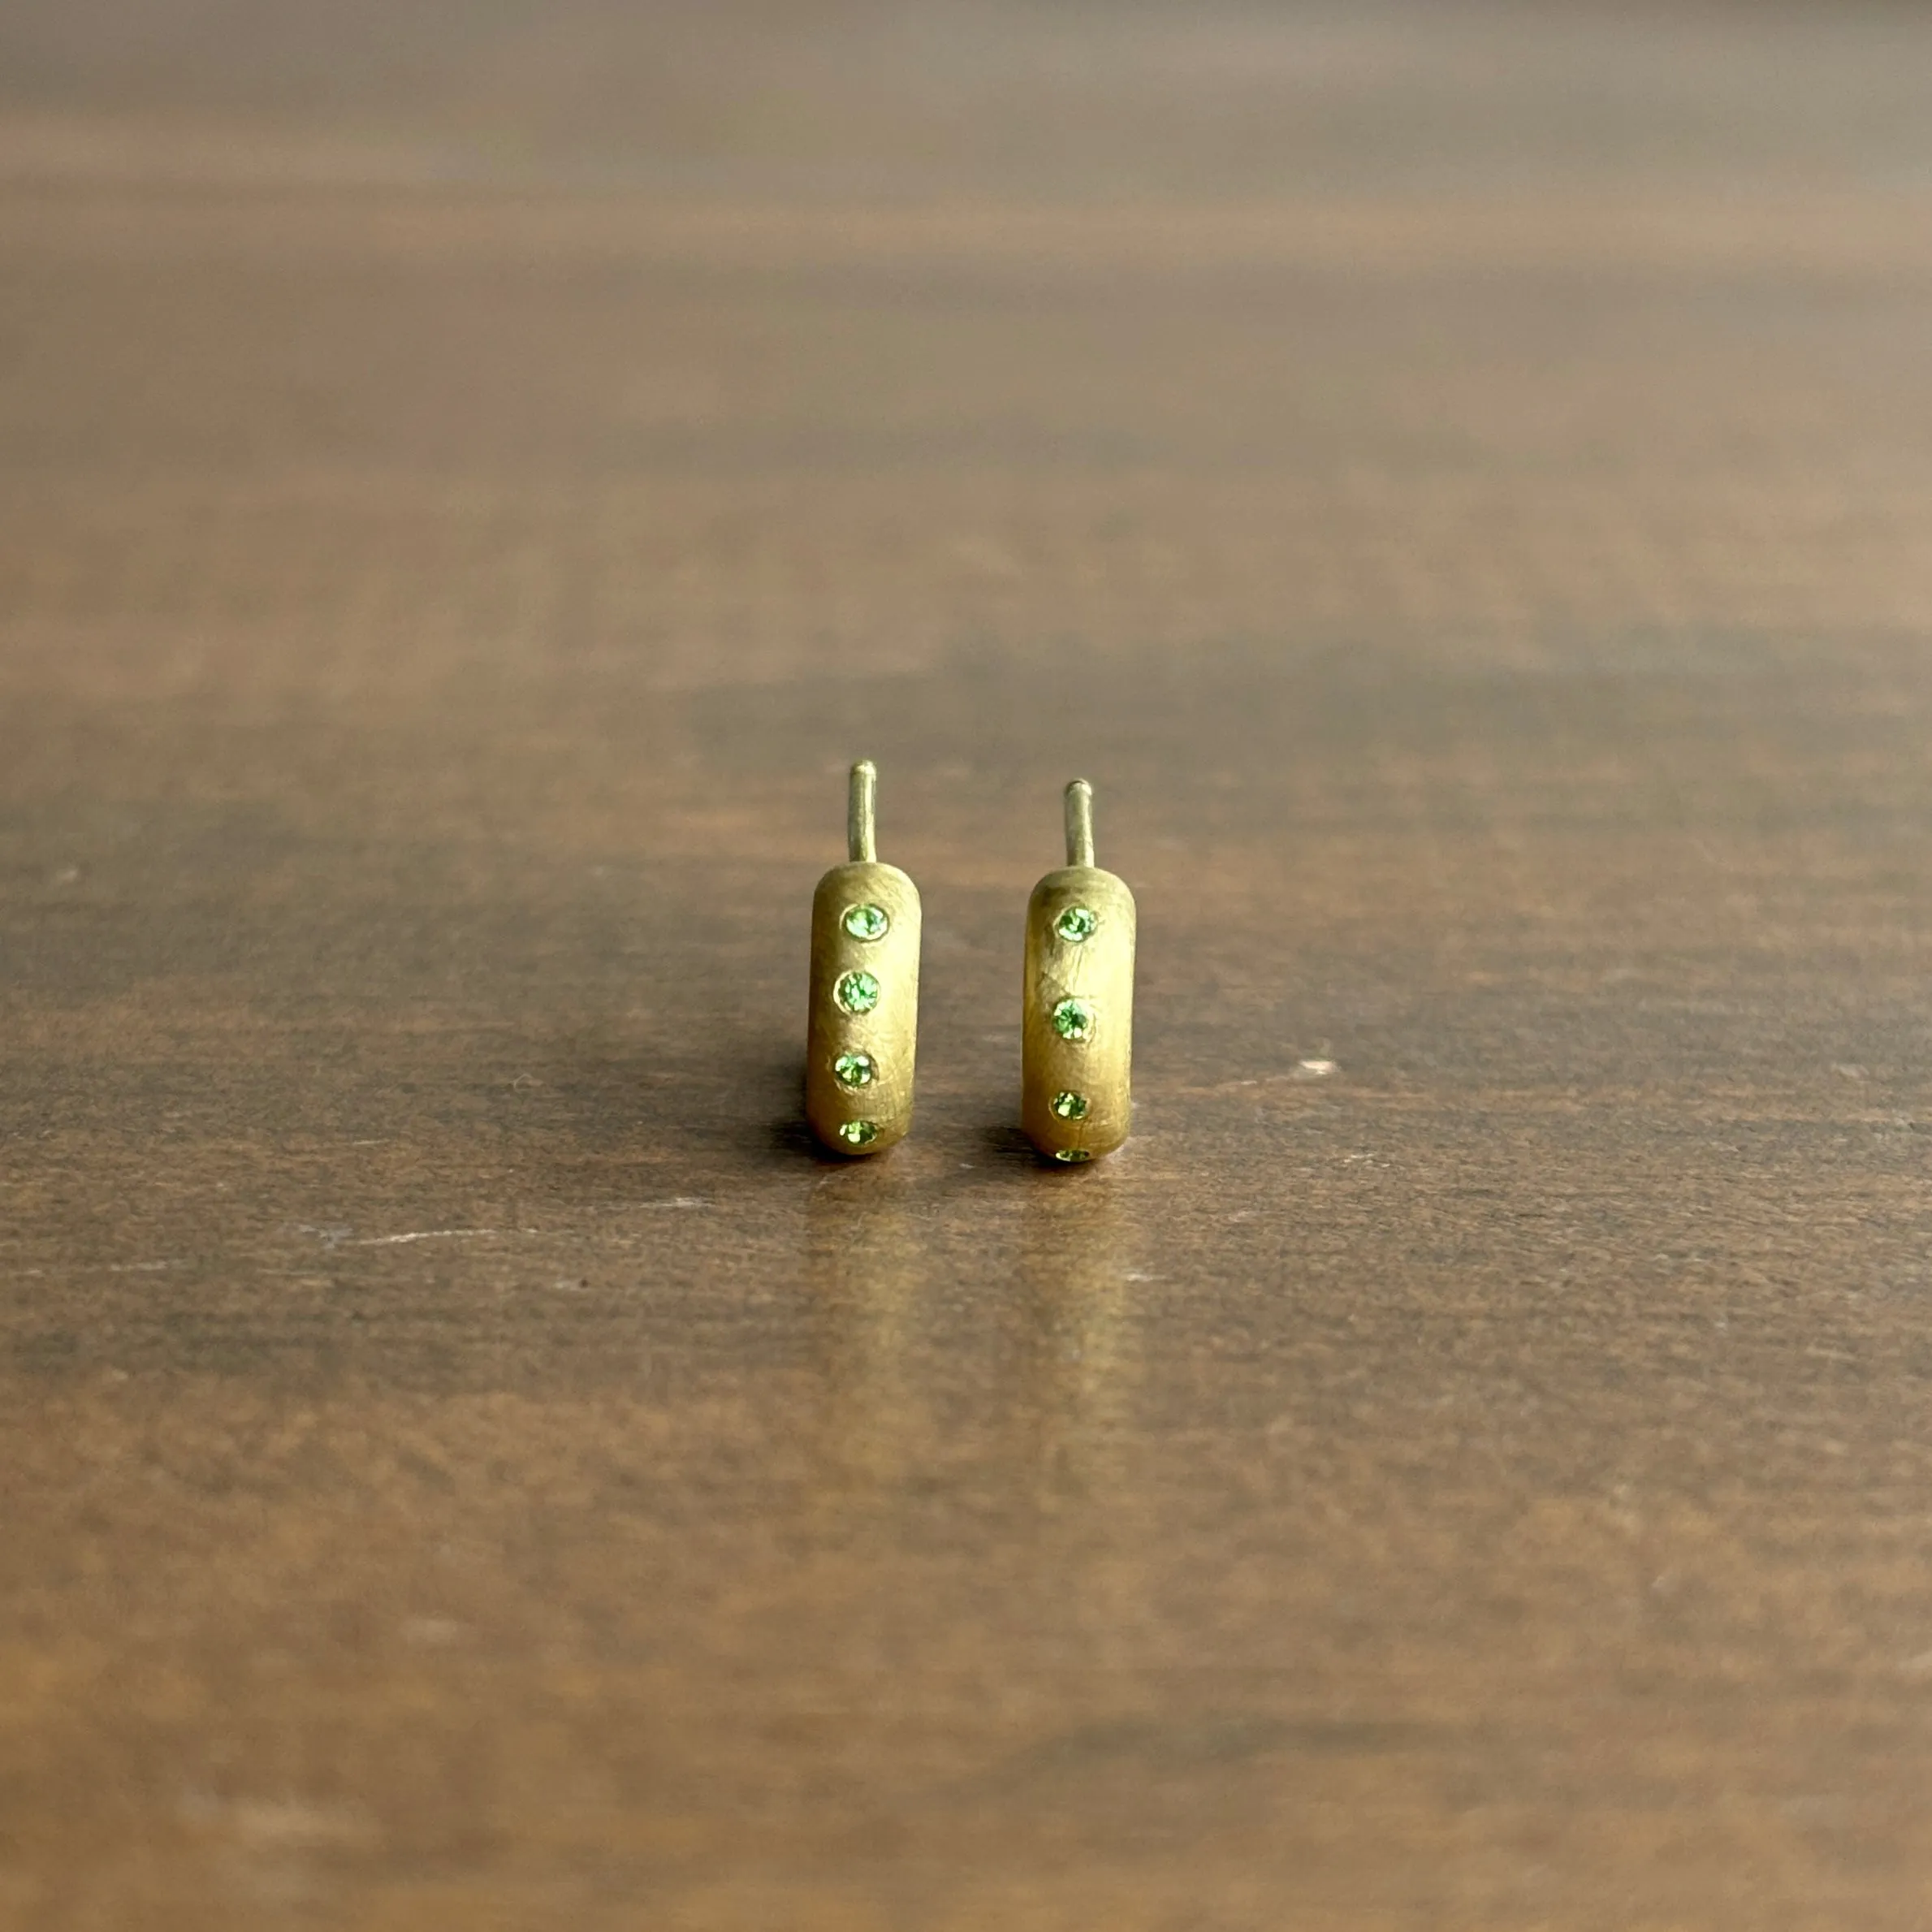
[
  {"x": 1435, "y": 318},
  {"x": 1458, "y": 477}
]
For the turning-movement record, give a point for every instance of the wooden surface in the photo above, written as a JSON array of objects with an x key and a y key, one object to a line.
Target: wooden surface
[{"x": 1459, "y": 481}]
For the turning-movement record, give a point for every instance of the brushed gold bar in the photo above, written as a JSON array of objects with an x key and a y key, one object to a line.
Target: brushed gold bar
[
  {"x": 1077, "y": 1034},
  {"x": 861, "y": 1031}
]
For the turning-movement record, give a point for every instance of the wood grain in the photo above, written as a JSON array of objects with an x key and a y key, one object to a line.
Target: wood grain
[{"x": 1456, "y": 480}]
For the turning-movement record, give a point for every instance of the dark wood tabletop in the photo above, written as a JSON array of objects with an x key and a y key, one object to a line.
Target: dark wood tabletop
[{"x": 1459, "y": 481}]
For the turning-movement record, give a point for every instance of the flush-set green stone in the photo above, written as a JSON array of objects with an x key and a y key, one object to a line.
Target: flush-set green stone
[
  {"x": 858, "y": 1133},
  {"x": 1069, "y": 1106},
  {"x": 1073, "y": 1155},
  {"x": 853, "y": 1069},
  {"x": 1077, "y": 923},
  {"x": 856, "y": 991},
  {"x": 1074, "y": 1020},
  {"x": 866, "y": 921}
]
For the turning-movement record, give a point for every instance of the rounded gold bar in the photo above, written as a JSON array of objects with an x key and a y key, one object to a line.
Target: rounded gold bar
[
  {"x": 863, "y": 1027},
  {"x": 1077, "y": 1042}
]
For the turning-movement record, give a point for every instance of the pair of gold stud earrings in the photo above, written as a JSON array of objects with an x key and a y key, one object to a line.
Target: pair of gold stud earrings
[{"x": 1076, "y": 1039}]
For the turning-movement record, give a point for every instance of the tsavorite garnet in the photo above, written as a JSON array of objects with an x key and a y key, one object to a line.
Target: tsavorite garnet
[
  {"x": 853, "y": 1069},
  {"x": 858, "y": 1133},
  {"x": 1072, "y": 1019},
  {"x": 1070, "y": 1106},
  {"x": 867, "y": 921},
  {"x": 857, "y": 992},
  {"x": 1078, "y": 923}
]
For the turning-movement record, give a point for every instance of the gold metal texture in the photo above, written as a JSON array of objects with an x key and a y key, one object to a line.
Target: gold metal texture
[
  {"x": 1077, "y": 1039},
  {"x": 862, "y": 1031}
]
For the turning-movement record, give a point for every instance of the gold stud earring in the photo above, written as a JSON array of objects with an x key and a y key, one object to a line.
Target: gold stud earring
[
  {"x": 1077, "y": 1040},
  {"x": 865, "y": 990}
]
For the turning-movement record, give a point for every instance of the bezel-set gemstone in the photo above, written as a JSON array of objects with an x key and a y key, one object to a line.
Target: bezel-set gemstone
[
  {"x": 1073, "y": 1157},
  {"x": 1077, "y": 924},
  {"x": 858, "y": 1133},
  {"x": 1069, "y": 1106},
  {"x": 856, "y": 991},
  {"x": 867, "y": 921},
  {"x": 853, "y": 1069},
  {"x": 1074, "y": 1020}
]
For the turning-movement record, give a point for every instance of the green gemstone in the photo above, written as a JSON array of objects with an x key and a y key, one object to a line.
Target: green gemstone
[
  {"x": 1069, "y": 1106},
  {"x": 856, "y": 991},
  {"x": 866, "y": 921},
  {"x": 1078, "y": 923},
  {"x": 853, "y": 1069},
  {"x": 1072, "y": 1019},
  {"x": 1073, "y": 1155},
  {"x": 858, "y": 1133}
]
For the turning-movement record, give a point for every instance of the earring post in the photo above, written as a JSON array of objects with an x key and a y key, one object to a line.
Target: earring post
[
  {"x": 1079, "y": 823},
  {"x": 861, "y": 813}
]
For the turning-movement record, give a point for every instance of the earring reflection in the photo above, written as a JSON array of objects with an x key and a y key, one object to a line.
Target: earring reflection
[
  {"x": 865, "y": 1272},
  {"x": 1077, "y": 1268}
]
